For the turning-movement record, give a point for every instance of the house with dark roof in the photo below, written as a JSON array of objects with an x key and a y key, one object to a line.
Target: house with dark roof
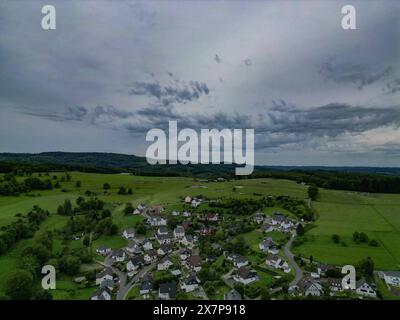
[
  {"x": 146, "y": 286},
  {"x": 190, "y": 283},
  {"x": 134, "y": 264},
  {"x": 150, "y": 256},
  {"x": 103, "y": 250},
  {"x": 164, "y": 263},
  {"x": 245, "y": 276},
  {"x": 118, "y": 255},
  {"x": 133, "y": 247},
  {"x": 106, "y": 274},
  {"x": 164, "y": 238},
  {"x": 238, "y": 260},
  {"x": 194, "y": 263},
  {"x": 102, "y": 294},
  {"x": 268, "y": 245},
  {"x": 309, "y": 287},
  {"x": 391, "y": 278},
  {"x": 179, "y": 232},
  {"x": 129, "y": 234},
  {"x": 167, "y": 291},
  {"x": 363, "y": 288},
  {"x": 164, "y": 249},
  {"x": 146, "y": 244}
]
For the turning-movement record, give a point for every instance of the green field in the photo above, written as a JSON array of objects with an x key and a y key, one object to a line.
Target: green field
[
  {"x": 339, "y": 212},
  {"x": 342, "y": 213}
]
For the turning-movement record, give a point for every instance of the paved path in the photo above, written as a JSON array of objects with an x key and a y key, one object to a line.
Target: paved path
[{"x": 289, "y": 255}]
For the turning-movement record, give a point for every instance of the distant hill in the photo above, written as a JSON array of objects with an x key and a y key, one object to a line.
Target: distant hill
[{"x": 121, "y": 162}]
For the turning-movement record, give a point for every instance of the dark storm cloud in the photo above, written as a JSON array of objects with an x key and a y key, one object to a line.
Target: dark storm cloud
[
  {"x": 283, "y": 124},
  {"x": 358, "y": 74},
  {"x": 179, "y": 92},
  {"x": 332, "y": 119}
]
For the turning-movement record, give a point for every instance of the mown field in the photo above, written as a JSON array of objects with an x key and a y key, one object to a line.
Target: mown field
[{"x": 339, "y": 212}]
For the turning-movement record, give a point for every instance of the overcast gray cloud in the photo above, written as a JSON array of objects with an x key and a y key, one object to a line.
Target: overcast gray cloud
[
  {"x": 313, "y": 92},
  {"x": 178, "y": 92}
]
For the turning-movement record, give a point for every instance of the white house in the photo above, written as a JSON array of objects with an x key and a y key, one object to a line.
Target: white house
[
  {"x": 136, "y": 211},
  {"x": 363, "y": 288},
  {"x": 150, "y": 256},
  {"x": 175, "y": 213},
  {"x": 269, "y": 246},
  {"x": 185, "y": 253},
  {"x": 238, "y": 260},
  {"x": 191, "y": 283},
  {"x": 129, "y": 234},
  {"x": 134, "y": 264},
  {"x": 179, "y": 232},
  {"x": 106, "y": 274},
  {"x": 187, "y": 241},
  {"x": 258, "y": 218},
  {"x": 118, "y": 255},
  {"x": 245, "y": 276},
  {"x": 310, "y": 287},
  {"x": 186, "y": 213},
  {"x": 164, "y": 249},
  {"x": 133, "y": 247},
  {"x": 195, "y": 203},
  {"x": 103, "y": 250},
  {"x": 157, "y": 221},
  {"x": 102, "y": 294},
  {"x": 147, "y": 245},
  {"x": 164, "y": 238},
  {"x": 392, "y": 278},
  {"x": 277, "y": 262},
  {"x": 164, "y": 264},
  {"x": 188, "y": 199}
]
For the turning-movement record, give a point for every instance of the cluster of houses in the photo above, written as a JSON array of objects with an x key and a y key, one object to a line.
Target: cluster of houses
[
  {"x": 277, "y": 222},
  {"x": 106, "y": 282},
  {"x": 194, "y": 202},
  {"x": 317, "y": 284},
  {"x": 158, "y": 252},
  {"x": 242, "y": 274},
  {"x": 174, "y": 250}
]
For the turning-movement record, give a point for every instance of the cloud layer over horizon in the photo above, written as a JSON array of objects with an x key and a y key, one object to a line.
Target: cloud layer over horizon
[{"x": 314, "y": 93}]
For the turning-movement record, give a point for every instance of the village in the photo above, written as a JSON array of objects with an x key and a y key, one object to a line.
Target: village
[{"x": 177, "y": 261}]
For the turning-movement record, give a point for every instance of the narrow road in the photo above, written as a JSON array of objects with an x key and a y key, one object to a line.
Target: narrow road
[
  {"x": 126, "y": 287},
  {"x": 289, "y": 255}
]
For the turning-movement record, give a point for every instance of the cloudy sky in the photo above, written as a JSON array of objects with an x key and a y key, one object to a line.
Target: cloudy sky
[{"x": 314, "y": 93}]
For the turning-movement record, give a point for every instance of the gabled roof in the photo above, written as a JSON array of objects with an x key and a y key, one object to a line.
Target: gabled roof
[
  {"x": 137, "y": 260},
  {"x": 106, "y": 271},
  {"x": 179, "y": 229},
  {"x": 165, "y": 259},
  {"x": 146, "y": 285},
  {"x": 245, "y": 273},
  {"x": 194, "y": 261},
  {"x": 169, "y": 287}
]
